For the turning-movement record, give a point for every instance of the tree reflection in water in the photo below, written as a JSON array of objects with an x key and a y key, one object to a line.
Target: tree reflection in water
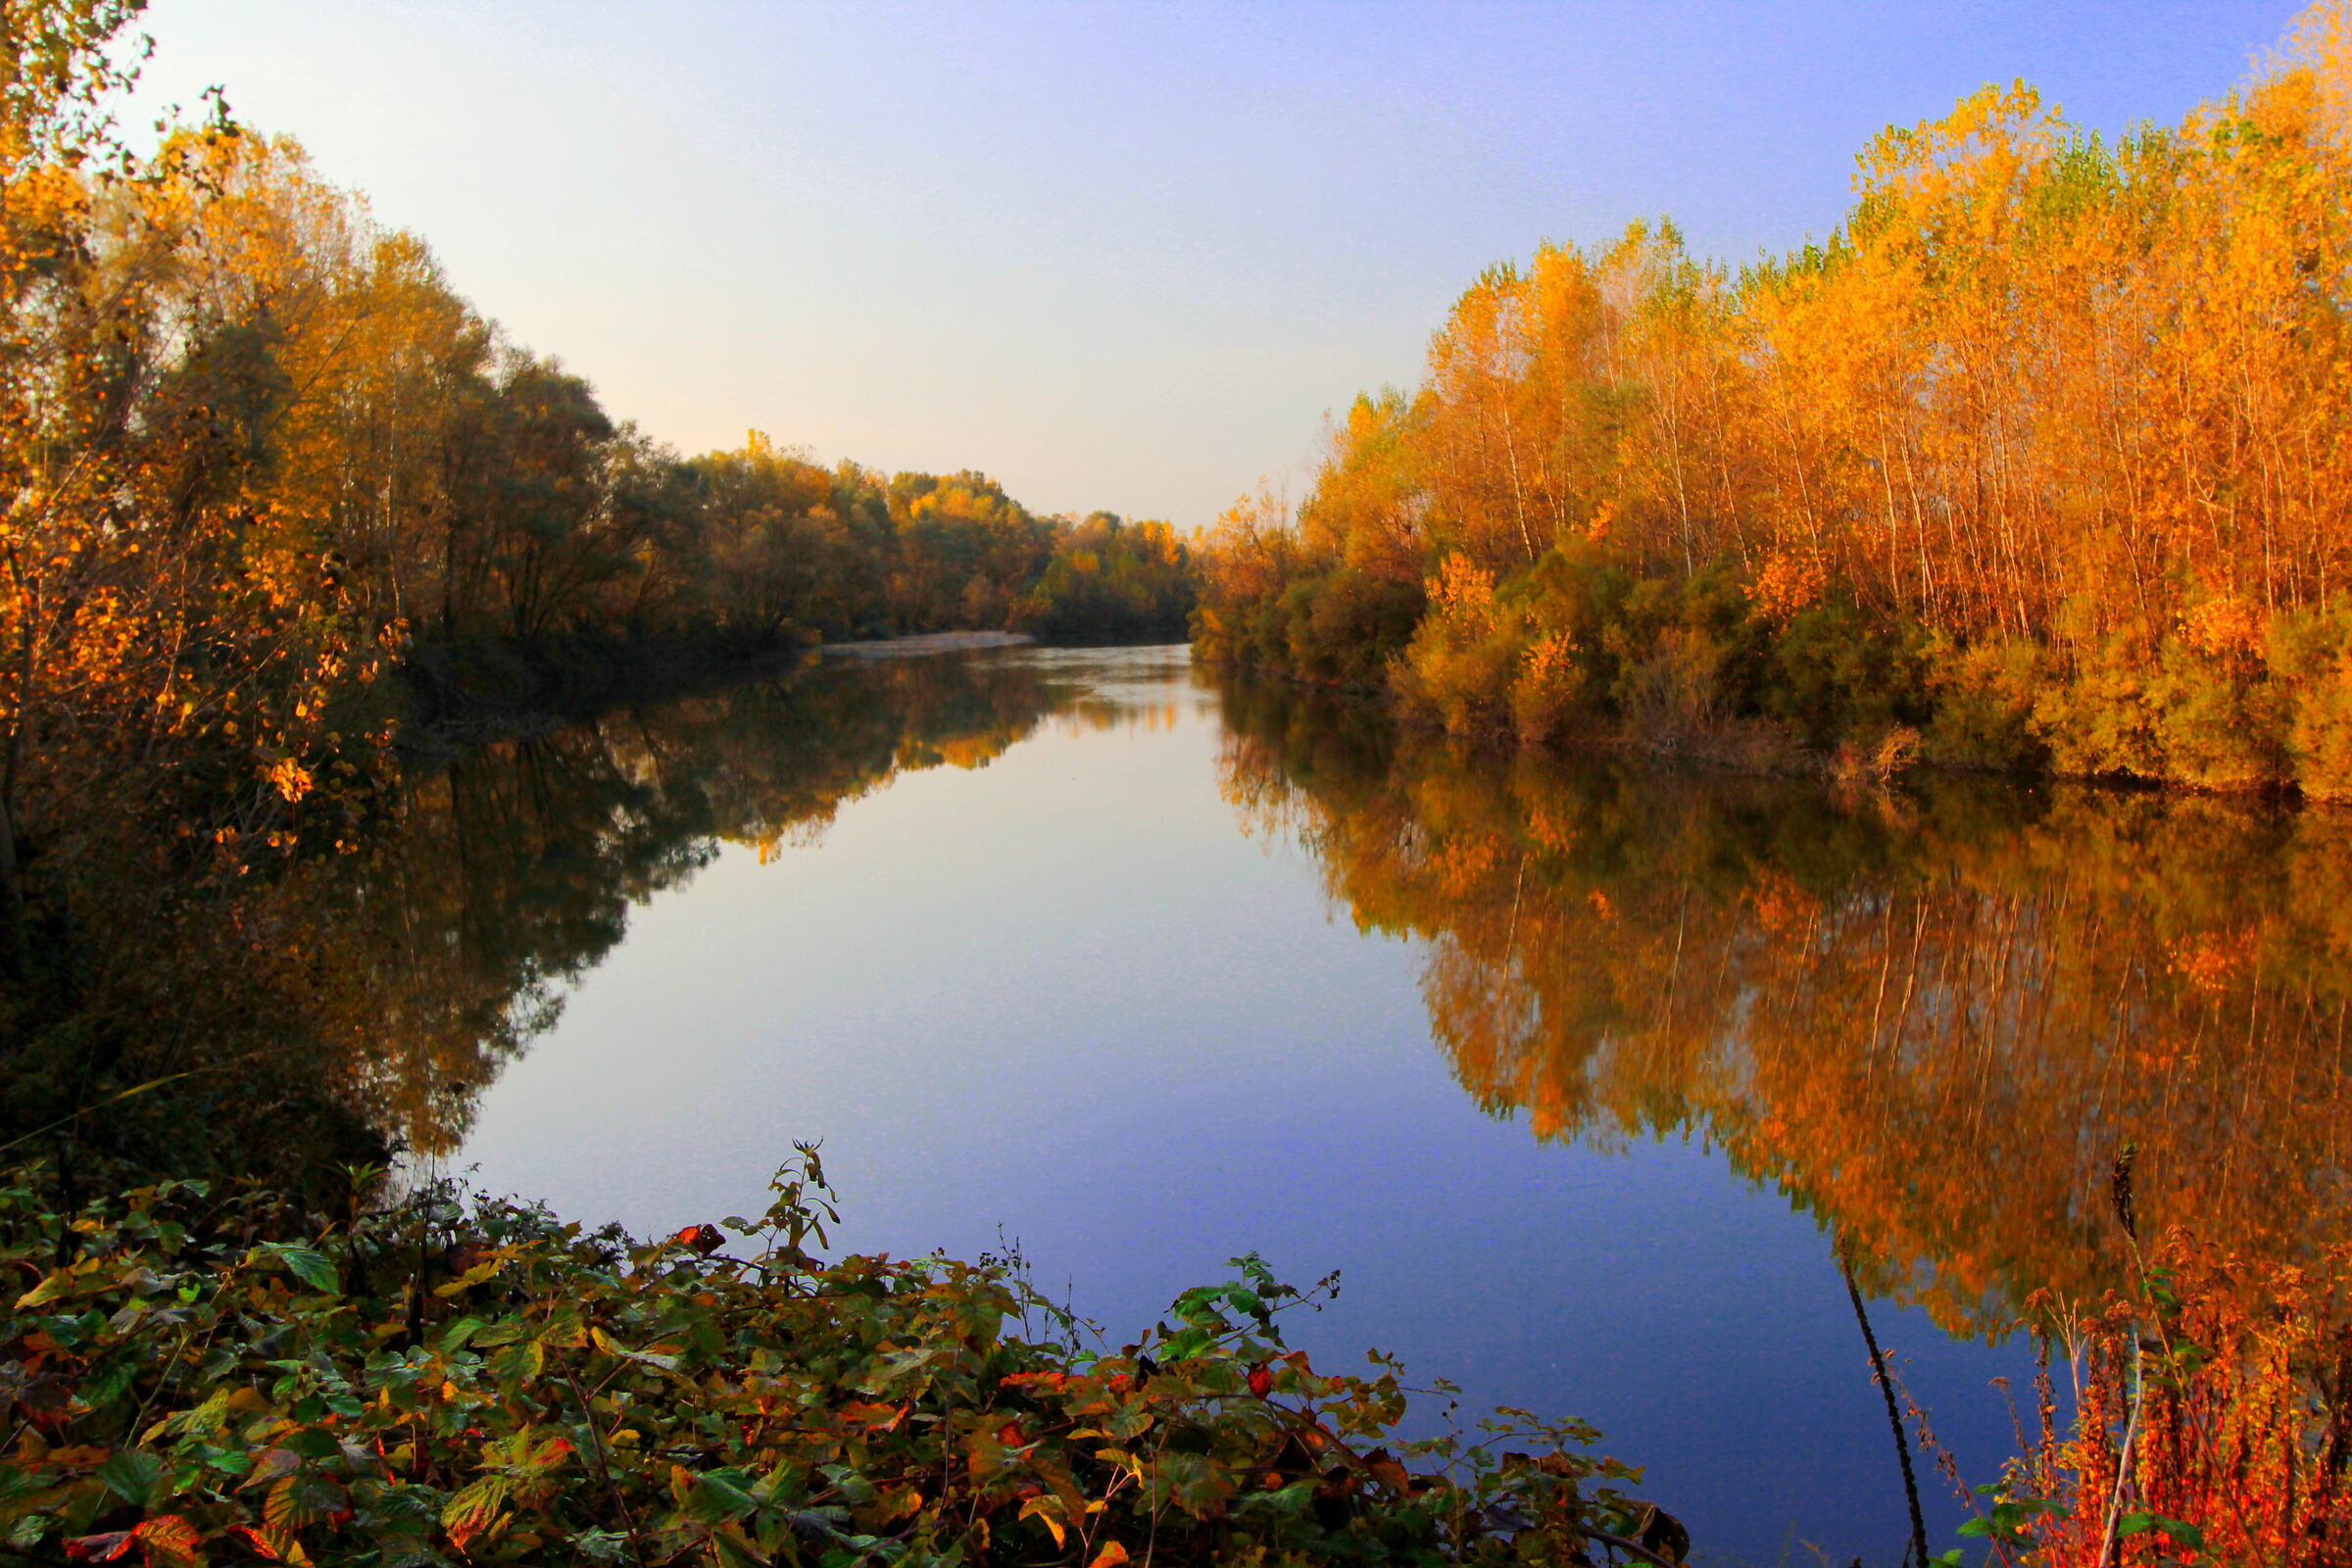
[
  {"x": 355, "y": 1003},
  {"x": 1931, "y": 1015}
]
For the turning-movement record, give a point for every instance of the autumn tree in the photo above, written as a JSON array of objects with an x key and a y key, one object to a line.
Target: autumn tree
[{"x": 2038, "y": 459}]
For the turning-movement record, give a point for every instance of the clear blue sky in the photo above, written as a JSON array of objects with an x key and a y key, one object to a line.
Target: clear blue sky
[{"x": 1118, "y": 255}]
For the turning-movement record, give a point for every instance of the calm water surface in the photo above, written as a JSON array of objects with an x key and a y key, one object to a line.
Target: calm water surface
[{"x": 1577, "y": 1073}]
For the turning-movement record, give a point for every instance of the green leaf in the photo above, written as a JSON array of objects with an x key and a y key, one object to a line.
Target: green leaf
[
  {"x": 898, "y": 1364},
  {"x": 1292, "y": 1500},
  {"x": 716, "y": 1501},
  {"x": 518, "y": 1364},
  {"x": 855, "y": 1488},
  {"x": 306, "y": 1265},
  {"x": 453, "y": 1338},
  {"x": 312, "y": 1443},
  {"x": 108, "y": 1382},
  {"x": 133, "y": 1477},
  {"x": 602, "y": 1545}
]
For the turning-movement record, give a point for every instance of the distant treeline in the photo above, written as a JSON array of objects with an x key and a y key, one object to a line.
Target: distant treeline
[
  {"x": 2043, "y": 460},
  {"x": 255, "y": 451}
]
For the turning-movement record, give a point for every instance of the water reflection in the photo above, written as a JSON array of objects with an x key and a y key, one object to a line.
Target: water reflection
[
  {"x": 513, "y": 868},
  {"x": 1065, "y": 1000},
  {"x": 1931, "y": 1017},
  {"x": 352, "y": 1005}
]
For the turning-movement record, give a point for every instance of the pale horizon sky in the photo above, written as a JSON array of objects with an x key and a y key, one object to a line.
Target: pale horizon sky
[{"x": 1119, "y": 256}]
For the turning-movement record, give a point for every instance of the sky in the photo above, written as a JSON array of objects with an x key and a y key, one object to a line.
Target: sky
[{"x": 1119, "y": 256}]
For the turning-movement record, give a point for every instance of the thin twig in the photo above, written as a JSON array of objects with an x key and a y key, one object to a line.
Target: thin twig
[
  {"x": 1894, "y": 1419},
  {"x": 1633, "y": 1547},
  {"x": 596, "y": 1442}
]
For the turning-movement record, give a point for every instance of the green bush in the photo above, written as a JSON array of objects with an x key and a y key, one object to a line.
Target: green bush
[
  {"x": 1837, "y": 676},
  {"x": 1579, "y": 647},
  {"x": 2320, "y": 735},
  {"x": 1353, "y": 626},
  {"x": 1667, "y": 690},
  {"x": 2220, "y": 723},
  {"x": 1982, "y": 697},
  {"x": 2102, "y": 721}
]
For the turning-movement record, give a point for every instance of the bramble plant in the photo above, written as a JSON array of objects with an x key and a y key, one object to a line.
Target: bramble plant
[{"x": 197, "y": 1374}]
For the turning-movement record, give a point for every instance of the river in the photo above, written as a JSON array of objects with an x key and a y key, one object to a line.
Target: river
[
  {"x": 1579, "y": 1072},
  {"x": 1593, "y": 1080}
]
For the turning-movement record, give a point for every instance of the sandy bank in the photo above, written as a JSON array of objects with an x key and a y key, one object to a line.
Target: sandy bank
[{"x": 938, "y": 642}]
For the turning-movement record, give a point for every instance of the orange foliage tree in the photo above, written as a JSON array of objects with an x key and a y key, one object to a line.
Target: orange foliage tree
[{"x": 2066, "y": 419}]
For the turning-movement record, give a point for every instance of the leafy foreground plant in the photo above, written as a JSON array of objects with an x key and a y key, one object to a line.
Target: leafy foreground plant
[
  {"x": 2211, "y": 1424},
  {"x": 200, "y": 1376}
]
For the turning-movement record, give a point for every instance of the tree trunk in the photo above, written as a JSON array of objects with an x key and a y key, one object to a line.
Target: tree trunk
[{"x": 15, "y": 935}]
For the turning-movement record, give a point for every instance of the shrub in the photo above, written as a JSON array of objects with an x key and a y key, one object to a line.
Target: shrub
[
  {"x": 1838, "y": 675},
  {"x": 194, "y": 1375},
  {"x": 1549, "y": 688},
  {"x": 2209, "y": 1424},
  {"x": 2102, "y": 721},
  {"x": 1667, "y": 693},
  {"x": 2320, "y": 734},
  {"x": 2218, "y": 722},
  {"x": 1458, "y": 666},
  {"x": 1984, "y": 697},
  {"x": 1354, "y": 626}
]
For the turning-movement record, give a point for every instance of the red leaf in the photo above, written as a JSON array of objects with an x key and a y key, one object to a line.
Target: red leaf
[
  {"x": 1041, "y": 1379},
  {"x": 170, "y": 1536},
  {"x": 1261, "y": 1382},
  {"x": 99, "y": 1548},
  {"x": 703, "y": 1238},
  {"x": 256, "y": 1540}
]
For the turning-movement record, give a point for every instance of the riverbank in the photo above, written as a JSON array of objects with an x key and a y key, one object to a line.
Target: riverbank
[
  {"x": 464, "y": 692},
  {"x": 937, "y": 642},
  {"x": 485, "y": 690},
  {"x": 1573, "y": 654}
]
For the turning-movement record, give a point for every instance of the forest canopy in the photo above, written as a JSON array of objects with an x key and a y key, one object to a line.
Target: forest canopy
[{"x": 2042, "y": 459}]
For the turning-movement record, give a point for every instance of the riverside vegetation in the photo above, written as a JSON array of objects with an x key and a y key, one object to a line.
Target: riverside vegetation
[
  {"x": 395, "y": 980},
  {"x": 258, "y": 455},
  {"x": 208, "y": 1372},
  {"x": 1956, "y": 1149},
  {"x": 2038, "y": 465},
  {"x": 259, "y": 458},
  {"x": 2039, "y": 462}
]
